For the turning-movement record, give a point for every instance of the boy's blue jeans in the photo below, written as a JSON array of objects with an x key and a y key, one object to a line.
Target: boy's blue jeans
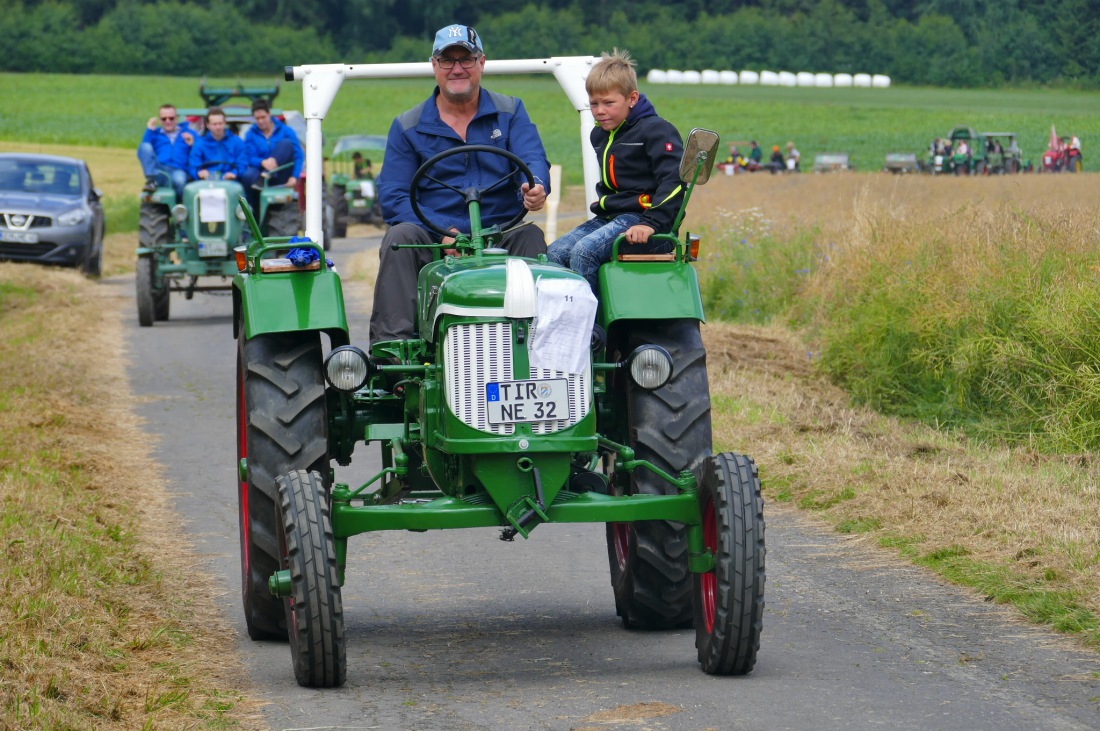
[{"x": 589, "y": 245}]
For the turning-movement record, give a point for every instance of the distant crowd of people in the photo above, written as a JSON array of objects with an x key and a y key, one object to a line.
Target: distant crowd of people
[{"x": 754, "y": 159}]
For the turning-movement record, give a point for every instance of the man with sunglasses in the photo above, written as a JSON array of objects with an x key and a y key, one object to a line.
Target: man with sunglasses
[
  {"x": 459, "y": 112},
  {"x": 165, "y": 150}
]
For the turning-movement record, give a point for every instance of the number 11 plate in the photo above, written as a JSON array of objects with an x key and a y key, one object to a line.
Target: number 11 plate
[{"x": 509, "y": 402}]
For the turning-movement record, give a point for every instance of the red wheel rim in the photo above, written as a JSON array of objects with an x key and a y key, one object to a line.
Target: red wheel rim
[
  {"x": 620, "y": 533},
  {"x": 242, "y": 453},
  {"x": 709, "y": 580}
]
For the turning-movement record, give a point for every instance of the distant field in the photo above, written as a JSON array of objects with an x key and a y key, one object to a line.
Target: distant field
[{"x": 110, "y": 111}]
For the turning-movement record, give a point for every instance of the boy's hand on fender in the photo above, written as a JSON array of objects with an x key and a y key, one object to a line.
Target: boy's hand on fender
[
  {"x": 639, "y": 233},
  {"x": 533, "y": 198}
]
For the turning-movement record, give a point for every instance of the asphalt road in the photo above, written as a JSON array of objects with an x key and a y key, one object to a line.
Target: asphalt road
[{"x": 458, "y": 630}]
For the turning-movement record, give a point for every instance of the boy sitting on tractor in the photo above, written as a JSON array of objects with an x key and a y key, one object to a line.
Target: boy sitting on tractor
[{"x": 639, "y": 192}]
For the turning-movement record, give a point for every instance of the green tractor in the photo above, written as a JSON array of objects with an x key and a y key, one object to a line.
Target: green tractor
[
  {"x": 503, "y": 413},
  {"x": 354, "y": 197},
  {"x": 183, "y": 241}
]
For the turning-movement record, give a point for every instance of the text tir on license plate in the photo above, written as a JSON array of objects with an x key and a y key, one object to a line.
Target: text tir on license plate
[{"x": 512, "y": 401}]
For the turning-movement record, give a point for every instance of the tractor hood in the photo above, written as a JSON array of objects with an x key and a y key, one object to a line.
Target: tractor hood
[{"x": 484, "y": 286}]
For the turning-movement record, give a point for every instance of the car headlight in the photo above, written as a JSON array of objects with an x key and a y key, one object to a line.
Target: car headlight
[
  {"x": 73, "y": 218},
  {"x": 179, "y": 213},
  {"x": 347, "y": 368},
  {"x": 650, "y": 366}
]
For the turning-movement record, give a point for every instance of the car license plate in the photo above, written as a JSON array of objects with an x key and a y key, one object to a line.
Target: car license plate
[
  {"x": 19, "y": 237},
  {"x": 509, "y": 402},
  {"x": 358, "y": 202}
]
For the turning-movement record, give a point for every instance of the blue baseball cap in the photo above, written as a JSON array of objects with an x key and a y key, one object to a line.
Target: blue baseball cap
[{"x": 457, "y": 35}]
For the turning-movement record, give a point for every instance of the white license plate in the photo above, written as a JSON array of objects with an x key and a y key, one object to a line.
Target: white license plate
[
  {"x": 509, "y": 402},
  {"x": 358, "y": 202},
  {"x": 19, "y": 237},
  {"x": 213, "y": 248}
]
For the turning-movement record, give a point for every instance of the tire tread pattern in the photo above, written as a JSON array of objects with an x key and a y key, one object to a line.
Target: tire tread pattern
[
  {"x": 315, "y": 613},
  {"x": 731, "y": 484}
]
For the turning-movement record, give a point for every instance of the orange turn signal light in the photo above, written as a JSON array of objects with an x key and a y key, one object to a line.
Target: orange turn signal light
[
  {"x": 693, "y": 246},
  {"x": 241, "y": 253}
]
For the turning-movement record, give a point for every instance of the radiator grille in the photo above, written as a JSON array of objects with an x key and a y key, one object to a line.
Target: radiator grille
[{"x": 480, "y": 353}]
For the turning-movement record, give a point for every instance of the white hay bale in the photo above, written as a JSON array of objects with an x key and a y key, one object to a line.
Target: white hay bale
[
  {"x": 880, "y": 81},
  {"x": 727, "y": 77},
  {"x": 657, "y": 76},
  {"x": 805, "y": 78},
  {"x": 675, "y": 76},
  {"x": 842, "y": 80},
  {"x": 749, "y": 77},
  {"x": 710, "y": 76},
  {"x": 769, "y": 78},
  {"x": 863, "y": 80},
  {"x": 692, "y": 77},
  {"x": 786, "y": 78},
  {"x": 823, "y": 80}
]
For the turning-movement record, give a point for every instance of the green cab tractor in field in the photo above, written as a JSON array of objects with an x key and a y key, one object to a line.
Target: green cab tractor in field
[
  {"x": 512, "y": 408},
  {"x": 185, "y": 241}
]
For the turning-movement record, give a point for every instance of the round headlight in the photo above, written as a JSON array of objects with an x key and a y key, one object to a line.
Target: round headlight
[
  {"x": 347, "y": 368},
  {"x": 650, "y": 366},
  {"x": 179, "y": 212}
]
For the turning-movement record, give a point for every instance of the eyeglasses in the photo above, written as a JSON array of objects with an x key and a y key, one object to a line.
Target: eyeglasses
[
  {"x": 466, "y": 62},
  {"x": 166, "y": 119}
]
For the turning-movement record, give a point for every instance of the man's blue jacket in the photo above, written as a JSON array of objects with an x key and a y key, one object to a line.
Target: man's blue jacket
[
  {"x": 229, "y": 152},
  {"x": 258, "y": 148},
  {"x": 171, "y": 155},
  {"x": 501, "y": 121}
]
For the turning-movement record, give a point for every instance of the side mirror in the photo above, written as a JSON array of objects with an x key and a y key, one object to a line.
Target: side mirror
[{"x": 700, "y": 152}]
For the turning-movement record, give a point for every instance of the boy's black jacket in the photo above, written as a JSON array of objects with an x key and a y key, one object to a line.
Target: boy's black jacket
[{"x": 640, "y": 168}]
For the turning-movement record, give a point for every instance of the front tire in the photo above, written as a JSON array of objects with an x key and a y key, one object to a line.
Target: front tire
[
  {"x": 314, "y": 609},
  {"x": 144, "y": 291},
  {"x": 729, "y": 600},
  {"x": 670, "y": 427},
  {"x": 282, "y": 426}
]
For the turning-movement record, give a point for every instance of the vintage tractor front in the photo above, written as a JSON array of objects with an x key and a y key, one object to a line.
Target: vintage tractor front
[{"x": 521, "y": 402}]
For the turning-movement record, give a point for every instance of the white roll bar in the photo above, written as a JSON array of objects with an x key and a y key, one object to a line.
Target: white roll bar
[{"x": 321, "y": 82}]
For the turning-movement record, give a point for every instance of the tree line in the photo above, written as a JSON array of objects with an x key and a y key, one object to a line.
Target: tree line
[{"x": 969, "y": 43}]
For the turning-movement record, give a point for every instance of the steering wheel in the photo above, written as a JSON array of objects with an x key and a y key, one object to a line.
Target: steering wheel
[
  {"x": 470, "y": 194},
  {"x": 211, "y": 163}
]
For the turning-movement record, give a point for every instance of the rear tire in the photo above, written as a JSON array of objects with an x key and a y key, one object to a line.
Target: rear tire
[
  {"x": 729, "y": 599},
  {"x": 314, "y": 610},
  {"x": 146, "y": 300},
  {"x": 155, "y": 231},
  {"x": 339, "y": 212},
  {"x": 671, "y": 428},
  {"x": 282, "y": 220},
  {"x": 282, "y": 426}
]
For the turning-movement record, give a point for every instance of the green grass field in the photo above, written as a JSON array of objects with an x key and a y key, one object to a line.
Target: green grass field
[{"x": 110, "y": 111}]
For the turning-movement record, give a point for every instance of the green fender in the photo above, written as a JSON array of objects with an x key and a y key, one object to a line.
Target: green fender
[
  {"x": 652, "y": 290},
  {"x": 290, "y": 302}
]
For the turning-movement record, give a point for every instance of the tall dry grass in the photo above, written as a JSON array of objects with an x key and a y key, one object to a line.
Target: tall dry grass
[
  {"x": 970, "y": 304},
  {"x": 106, "y": 621},
  {"x": 967, "y": 302}
]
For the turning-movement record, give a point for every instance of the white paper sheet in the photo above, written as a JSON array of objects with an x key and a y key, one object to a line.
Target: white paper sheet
[
  {"x": 563, "y": 326},
  {"x": 212, "y": 205}
]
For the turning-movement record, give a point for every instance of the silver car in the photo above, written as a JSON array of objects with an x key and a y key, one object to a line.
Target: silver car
[{"x": 50, "y": 212}]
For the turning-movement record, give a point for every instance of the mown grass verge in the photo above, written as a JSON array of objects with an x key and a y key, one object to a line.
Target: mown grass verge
[
  {"x": 938, "y": 397},
  {"x": 107, "y": 622}
]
